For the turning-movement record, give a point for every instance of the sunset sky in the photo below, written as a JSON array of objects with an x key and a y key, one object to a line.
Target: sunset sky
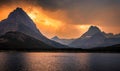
[{"x": 68, "y": 18}]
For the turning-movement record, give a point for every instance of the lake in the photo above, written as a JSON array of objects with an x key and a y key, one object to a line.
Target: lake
[{"x": 44, "y": 61}]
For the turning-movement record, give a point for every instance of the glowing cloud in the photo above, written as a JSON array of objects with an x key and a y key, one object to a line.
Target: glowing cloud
[{"x": 67, "y": 18}]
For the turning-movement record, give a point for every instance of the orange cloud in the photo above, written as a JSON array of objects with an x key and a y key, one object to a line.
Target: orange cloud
[{"x": 65, "y": 24}]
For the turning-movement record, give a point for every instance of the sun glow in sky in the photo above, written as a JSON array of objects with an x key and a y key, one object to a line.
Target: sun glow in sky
[
  {"x": 50, "y": 27},
  {"x": 39, "y": 17},
  {"x": 55, "y": 27},
  {"x": 44, "y": 23},
  {"x": 52, "y": 18}
]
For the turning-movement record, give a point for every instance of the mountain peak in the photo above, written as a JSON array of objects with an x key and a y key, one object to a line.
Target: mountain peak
[
  {"x": 19, "y": 21},
  {"x": 91, "y": 31},
  {"x": 20, "y": 18},
  {"x": 18, "y": 11},
  {"x": 18, "y": 8},
  {"x": 94, "y": 28},
  {"x": 55, "y": 37}
]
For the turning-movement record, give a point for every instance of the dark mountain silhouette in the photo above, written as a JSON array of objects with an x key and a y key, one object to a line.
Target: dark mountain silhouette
[
  {"x": 17, "y": 41},
  {"x": 21, "y": 41},
  {"x": 19, "y": 21},
  {"x": 113, "y": 48}
]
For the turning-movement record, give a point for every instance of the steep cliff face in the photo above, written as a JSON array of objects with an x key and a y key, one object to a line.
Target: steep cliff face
[{"x": 19, "y": 21}]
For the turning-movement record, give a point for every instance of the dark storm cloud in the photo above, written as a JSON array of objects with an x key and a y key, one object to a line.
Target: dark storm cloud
[
  {"x": 80, "y": 11},
  {"x": 86, "y": 11},
  {"x": 72, "y": 13},
  {"x": 65, "y": 4},
  {"x": 2, "y": 2},
  {"x": 48, "y": 4}
]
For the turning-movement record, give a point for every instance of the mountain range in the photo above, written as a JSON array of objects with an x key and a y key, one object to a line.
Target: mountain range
[
  {"x": 18, "y": 31},
  {"x": 21, "y": 41},
  {"x": 19, "y": 21},
  {"x": 62, "y": 41},
  {"x": 94, "y": 37}
]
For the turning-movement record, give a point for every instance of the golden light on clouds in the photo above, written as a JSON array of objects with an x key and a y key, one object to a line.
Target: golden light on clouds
[
  {"x": 39, "y": 17},
  {"x": 49, "y": 26},
  {"x": 45, "y": 24},
  {"x": 83, "y": 27},
  {"x": 58, "y": 23}
]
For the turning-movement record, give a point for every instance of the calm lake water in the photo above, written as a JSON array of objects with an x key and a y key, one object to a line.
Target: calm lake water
[{"x": 15, "y": 61}]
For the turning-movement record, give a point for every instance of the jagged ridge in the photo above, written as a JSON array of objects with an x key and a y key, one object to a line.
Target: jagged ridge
[{"x": 19, "y": 21}]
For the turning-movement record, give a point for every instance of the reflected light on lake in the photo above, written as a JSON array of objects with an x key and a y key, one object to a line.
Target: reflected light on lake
[{"x": 35, "y": 61}]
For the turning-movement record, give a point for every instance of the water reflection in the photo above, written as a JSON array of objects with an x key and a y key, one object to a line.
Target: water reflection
[
  {"x": 2, "y": 61},
  {"x": 59, "y": 62},
  {"x": 67, "y": 62},
  {"x": 104, "y": 62},
  {"x": 83, "y": 60},
  {"x": 14, "y": 62}
]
